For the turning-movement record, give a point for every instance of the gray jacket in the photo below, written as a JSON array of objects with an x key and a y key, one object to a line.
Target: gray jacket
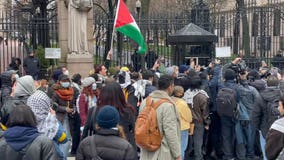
[
  {"x": 169, "y": 126},
  {"x": 41, "y": 148}
]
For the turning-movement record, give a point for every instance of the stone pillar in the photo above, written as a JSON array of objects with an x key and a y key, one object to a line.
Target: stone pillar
[{"x": 80, "y": 63}]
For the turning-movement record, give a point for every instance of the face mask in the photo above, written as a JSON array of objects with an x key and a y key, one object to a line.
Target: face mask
[
  {"x": 66, "y": 73},
  {"x": 65, "y": 84},
  {"x": 94, "y": 86}
]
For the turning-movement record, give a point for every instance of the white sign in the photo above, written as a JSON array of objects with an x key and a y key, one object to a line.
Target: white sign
[
  {"x": 52, "y": 53},
  {"x": 223, "y": 52}
]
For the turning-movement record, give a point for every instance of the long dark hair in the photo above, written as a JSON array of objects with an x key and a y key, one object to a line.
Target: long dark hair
[
  {"x": 112, "y": 94},
  {"x": 22, "y": 115}
]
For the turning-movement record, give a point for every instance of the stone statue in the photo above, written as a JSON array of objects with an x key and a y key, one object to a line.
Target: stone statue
[{"x": 77, "y": 26}]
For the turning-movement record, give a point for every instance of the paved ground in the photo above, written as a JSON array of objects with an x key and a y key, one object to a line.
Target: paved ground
[{"x": 71, "y": 158}]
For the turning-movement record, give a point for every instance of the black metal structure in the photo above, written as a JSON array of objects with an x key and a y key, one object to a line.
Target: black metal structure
[{"x": 192, "y": 41}]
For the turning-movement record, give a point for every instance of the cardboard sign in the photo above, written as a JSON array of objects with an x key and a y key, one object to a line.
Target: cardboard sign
[{"x": 52, "y": 53}]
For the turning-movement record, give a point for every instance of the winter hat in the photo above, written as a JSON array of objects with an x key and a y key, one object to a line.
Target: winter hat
[
  {"x": 108, "y": 117},
  {"x": 88, "y": 81},
  {"x": 56, "y": 74},
  {"x": 39, "y": 103},
  {"x": 183, "y": 68},
  {"x": 229, "y": 74},
  {"x": 170, "y": 71}
]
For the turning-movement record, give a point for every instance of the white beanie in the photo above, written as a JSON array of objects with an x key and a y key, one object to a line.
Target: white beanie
[{"x": 88, "y": 81}]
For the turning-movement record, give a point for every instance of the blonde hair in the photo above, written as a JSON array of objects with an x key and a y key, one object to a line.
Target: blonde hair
[
  {"x": 120, "y": 131},
  {"x": 178, "y": 91}
]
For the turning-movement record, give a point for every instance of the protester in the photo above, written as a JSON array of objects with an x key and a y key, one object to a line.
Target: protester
[
  {"x": 24, "y": 87},
  {"x": 22, "y": 139},
  {"x": 63, "y": 99},
  {"x": 275, "y": 136},
  {"x": 86, "y": 99},
  {"x": 47, "y": 124},
  {"x": 109, "y": 141},
  {"x": 168, "y": 123},
  {"x": 197, "y": 99},
  {"x": 185, "y": 117}
]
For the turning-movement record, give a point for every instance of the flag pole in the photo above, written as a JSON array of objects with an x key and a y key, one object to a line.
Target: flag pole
[{"x": 113, "y": 30}]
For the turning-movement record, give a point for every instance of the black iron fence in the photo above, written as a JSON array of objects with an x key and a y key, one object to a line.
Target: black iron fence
[
  {"x": 20, "y": 31},
  {"x": 265, "y": 29}
]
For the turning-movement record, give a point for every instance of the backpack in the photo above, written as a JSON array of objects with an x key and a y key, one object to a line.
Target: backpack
[
  {"x": 227, "y": 103},
  {"x": 147, "y": 133},
  {"x": 83, "y": 5}
]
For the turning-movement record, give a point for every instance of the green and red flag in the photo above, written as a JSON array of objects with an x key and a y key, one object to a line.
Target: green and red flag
[{"x": 125, "y": 24}]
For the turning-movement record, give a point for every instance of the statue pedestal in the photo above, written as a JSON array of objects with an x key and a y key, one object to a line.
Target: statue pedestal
[{"x": 80, "y": 63}]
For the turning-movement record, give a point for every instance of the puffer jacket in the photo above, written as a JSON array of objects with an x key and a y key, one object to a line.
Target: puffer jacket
[
  {"x": 259, "y": 117},
  {"x": 109, "y": 146},
  {"x": 169, "y": 126},
  {"x": 41, "y": 148}
]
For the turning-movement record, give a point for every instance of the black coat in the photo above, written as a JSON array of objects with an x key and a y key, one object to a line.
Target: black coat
[
  {"x": 109, "y": 146},
  {"x": 127, "y": 121},
  {"x": 260, "y": 118}
]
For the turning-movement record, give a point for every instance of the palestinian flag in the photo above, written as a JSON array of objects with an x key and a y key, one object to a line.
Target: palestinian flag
[{"x": 125, "y": 24}]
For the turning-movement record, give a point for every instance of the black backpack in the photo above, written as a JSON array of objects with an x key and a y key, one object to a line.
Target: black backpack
[{"x": 227, "y": 102}]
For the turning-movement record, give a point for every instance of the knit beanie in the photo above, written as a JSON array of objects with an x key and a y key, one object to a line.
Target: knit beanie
[
  {"x": 88, "y": 81},
  {"x": 108, "y": 117},
  {"x": 39, "y": 102},
  {"x": 229, "y": 74}
]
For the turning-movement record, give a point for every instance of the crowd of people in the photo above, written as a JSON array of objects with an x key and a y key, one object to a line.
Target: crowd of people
[{"x": 219, "y": 111}]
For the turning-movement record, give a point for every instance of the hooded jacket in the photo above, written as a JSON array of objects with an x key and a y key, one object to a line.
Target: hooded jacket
[
  {"x": 25, "y": 143},
  {"x": 24, "y": 88},
  {"x": 260, "y": 118},
  {"x": 169, "y": 126}
]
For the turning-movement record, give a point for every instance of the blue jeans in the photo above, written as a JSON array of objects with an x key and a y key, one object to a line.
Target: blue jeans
[
  {"x": 198, "y": 141},
  {"x": 245, "y": 134},
  {"x": 228, "y": 137},
  {"x": 184, "y": 141},
  {"x": 262, "y": 144},
  {"x": 66, "y": 146}
]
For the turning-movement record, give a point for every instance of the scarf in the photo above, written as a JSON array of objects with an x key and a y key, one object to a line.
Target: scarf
[
  {"x": 49, "y": 126},
  {"x": 65, "y": 94}
]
